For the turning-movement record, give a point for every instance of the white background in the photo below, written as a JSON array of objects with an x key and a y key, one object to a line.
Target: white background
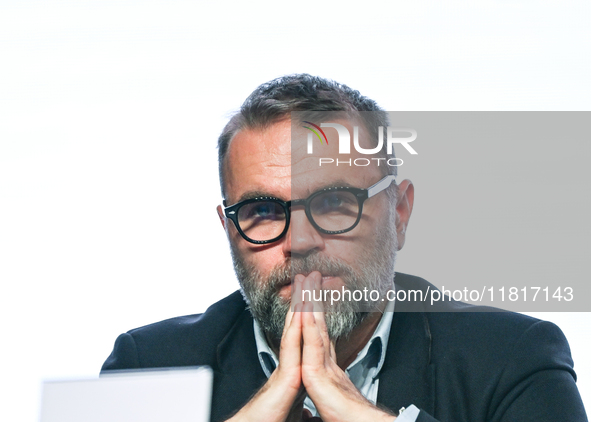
[{"x": 109, "y": 115}]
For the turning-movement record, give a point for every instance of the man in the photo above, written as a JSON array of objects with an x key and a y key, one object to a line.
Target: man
[{"x": 298, "y": 229}]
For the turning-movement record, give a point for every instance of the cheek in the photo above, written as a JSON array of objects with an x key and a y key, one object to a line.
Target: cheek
[
  {"x": 262, "y": 258},
  {"x": 366, "y": 240}
]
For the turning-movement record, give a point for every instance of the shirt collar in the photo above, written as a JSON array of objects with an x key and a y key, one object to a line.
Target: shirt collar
[
  {"x": 372, "y": 355},
  {"x": 267, "y": 356}
]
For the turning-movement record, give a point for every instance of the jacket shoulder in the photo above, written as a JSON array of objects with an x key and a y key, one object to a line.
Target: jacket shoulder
[
  {"x": 457, "y": 324},
  {"x": 510, "y": 366},
  {"x": 189, "y": 340}
]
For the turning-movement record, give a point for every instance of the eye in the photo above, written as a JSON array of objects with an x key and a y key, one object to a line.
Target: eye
[
  {"x": 261, "y": 211},
  {"x": 331, "y": 202}
]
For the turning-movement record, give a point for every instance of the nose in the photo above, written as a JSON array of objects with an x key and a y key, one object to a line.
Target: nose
[{"x": 301, "y": 238}]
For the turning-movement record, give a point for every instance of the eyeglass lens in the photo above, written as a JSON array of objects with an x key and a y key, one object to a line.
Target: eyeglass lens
[
  {"x": 262, "y": 220},
  {"x": 330, "y": 210},
  {"x": 334, "y": 210}
]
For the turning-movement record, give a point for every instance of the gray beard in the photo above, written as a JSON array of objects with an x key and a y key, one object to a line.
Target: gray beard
[{"x": 342, "y": 317}]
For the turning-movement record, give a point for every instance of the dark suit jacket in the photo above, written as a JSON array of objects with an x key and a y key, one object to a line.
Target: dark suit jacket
[{"x": 453, "y": 361}]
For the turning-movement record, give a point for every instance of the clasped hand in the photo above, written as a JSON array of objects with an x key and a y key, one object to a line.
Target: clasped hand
[{"x": 308, "y": 365}]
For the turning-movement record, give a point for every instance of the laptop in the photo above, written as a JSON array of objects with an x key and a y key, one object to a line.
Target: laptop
[{"x": 166, "y": 395}]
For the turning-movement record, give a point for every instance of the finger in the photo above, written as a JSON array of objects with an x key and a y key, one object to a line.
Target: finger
[
  {"x": 319, "y": 314},
  {"x": 296, "y": 293},
  {"x": 310, "y": 284},
  {"x": 288, "y": 319},
  {"x": 295, "y": 298},
  {"x": 307, "y": 287},
  {"x": 315, "y": 279},
  {"x": 291, "y": 342},
  {"x": 313, "y": 350},
  {"x": 327, "y": 344}
]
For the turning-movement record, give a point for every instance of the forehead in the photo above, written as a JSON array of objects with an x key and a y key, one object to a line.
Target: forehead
[
  {"x": 266, "y": 162},
  {"x": 256, "y": 156},
  {"x": 324, "y": 164}
]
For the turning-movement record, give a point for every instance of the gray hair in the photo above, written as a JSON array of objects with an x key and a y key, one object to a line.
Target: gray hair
[{"x": 273, "y": 101}]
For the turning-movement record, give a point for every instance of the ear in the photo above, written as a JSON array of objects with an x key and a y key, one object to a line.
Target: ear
[
  {"x": 405, "y": 200},
  {"x": 221, "y": 216}
]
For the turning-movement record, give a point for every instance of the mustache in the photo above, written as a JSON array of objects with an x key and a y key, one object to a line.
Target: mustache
[{"x": 284, "y": 273}]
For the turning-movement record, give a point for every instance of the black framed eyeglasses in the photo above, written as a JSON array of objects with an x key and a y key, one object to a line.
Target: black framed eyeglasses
[{"x": 333, "y": 210}]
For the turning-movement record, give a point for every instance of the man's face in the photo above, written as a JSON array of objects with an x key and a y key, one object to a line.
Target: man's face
[{"x": 264, "y": 163}]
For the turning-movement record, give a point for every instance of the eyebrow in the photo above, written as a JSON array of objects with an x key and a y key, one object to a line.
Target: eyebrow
[
  {"x": 251, "y": 194},
  {"x": 339, "y": 183}
]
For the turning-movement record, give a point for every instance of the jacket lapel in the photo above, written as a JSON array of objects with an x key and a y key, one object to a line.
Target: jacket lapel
[
  {"x": 239, "y": 374},
  {"x": 407, "y": 375}
]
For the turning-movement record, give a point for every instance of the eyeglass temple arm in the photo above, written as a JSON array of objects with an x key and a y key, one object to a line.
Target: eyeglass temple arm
[{"x": 381, "y": 185}]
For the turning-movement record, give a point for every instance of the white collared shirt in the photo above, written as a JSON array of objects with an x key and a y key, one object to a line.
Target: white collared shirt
[{"x": 363, "y": 371}]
